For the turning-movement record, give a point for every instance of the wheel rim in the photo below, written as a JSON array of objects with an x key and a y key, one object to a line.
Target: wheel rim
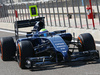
[
  {"x": 1, "y": 51},
  {"x": 19, "y": 55},
  {"x": 80, "y": 40},
  {"x": 81, "y": 43}
]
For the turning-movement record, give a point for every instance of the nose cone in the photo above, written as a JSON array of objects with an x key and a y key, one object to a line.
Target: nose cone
[
  {"x": 60, "y": 46},
  {"x": 65, "y": 55}
]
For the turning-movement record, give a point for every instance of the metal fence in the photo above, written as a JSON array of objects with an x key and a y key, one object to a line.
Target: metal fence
[{"x": 64, "y": 13}]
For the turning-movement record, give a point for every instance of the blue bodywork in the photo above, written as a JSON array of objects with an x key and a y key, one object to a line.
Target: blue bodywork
[
  {"x": 59, "y": 45},
  {"x": 56, "y": 42}
]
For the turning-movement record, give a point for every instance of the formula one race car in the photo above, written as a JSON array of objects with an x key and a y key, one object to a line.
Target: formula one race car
[{"x": 43, "y": 47}]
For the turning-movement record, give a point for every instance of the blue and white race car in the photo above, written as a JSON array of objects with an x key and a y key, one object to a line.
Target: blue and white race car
[{"x": 43, "y": 47}]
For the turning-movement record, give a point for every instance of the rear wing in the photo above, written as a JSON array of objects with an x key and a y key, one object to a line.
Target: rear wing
[{"x": 26, "y": 23}]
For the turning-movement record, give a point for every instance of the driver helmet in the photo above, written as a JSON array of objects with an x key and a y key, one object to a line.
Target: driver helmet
[{"x": 43, "y": 31}]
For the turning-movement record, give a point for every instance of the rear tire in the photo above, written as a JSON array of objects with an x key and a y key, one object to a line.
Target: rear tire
[
  {"x": 25, "y": 50},
  {"x": 8, "y": 48},
  {"x": 87, "y": 42}
]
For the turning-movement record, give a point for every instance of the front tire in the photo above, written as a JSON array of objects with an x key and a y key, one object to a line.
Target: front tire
[
  {"x": 87, "y": 42},
  {"x": 25, "y": 50}
]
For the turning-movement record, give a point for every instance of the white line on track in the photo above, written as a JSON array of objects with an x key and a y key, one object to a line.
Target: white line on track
[
  {"x": 98, "y": 45},
  {"x": 8, "y": 31}
]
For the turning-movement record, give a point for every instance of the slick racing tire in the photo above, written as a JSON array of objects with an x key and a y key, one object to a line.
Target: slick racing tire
[
  {"x": 25, "y": 50},
  {"x": 86, "y": 42},
  {"x": 8, "y": 48}
]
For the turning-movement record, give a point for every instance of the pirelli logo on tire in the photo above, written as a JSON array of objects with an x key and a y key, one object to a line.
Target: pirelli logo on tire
[{"x": 33, "y": 10}]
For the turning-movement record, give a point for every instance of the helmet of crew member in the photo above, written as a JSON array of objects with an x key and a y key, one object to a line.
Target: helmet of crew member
[{"x": 43, "y": 31}]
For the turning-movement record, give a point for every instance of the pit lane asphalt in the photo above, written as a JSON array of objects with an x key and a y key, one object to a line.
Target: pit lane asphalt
[{"x": 72, "y": 68}]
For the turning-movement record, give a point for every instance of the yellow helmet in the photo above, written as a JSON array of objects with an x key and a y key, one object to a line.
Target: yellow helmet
[{"x": 43, "y": 31}]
